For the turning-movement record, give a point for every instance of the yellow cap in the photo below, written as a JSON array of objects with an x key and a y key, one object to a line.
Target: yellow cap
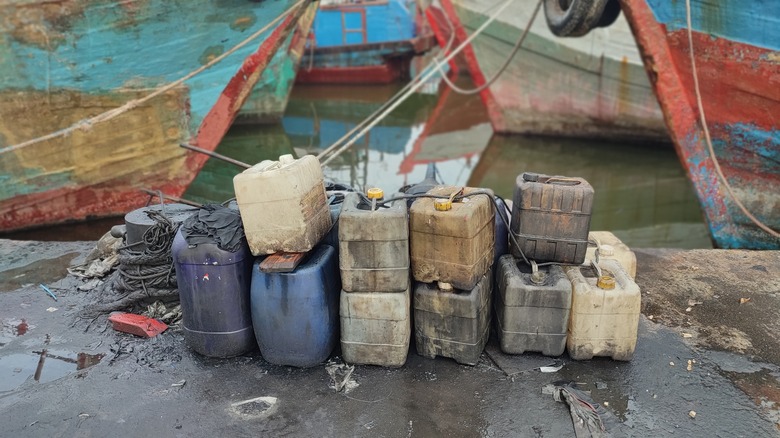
[
  {"x": 442, "y": 204},
  {"x": 375, "y": 193},
  {"x": 606, "y": 282}
]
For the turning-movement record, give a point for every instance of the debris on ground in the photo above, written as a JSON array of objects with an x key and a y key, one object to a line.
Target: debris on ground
[
  {"x": 744, "y": 300},
  {"x": 550, "y": 369},
  {"x": 587, "y": 416},
  {"x": 341, "y": 376},
  {"x": 138, "y": 325},
  {"x": 179, "y": 384},
  {"x": 103, "y": 258},
  {"x": 254, "y": 408},
  {"x": 158, "y": 310},
  {"x": 692, "y": 414}
]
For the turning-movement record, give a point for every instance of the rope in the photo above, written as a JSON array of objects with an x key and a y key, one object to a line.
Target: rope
[
  {"x": 141, "y": 274},
  {"x": 703, "y": 121},
  {"x": 503, "y": 68},
  {"x": 415, "y": 85},
  {"x": 86, "y": 124}
]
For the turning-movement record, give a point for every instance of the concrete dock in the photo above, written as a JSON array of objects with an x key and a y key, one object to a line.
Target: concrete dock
[{"x": 714, "y": 308}]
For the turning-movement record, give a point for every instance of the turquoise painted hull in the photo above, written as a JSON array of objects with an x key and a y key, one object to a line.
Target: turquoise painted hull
[{"x": 65, "y": 62}]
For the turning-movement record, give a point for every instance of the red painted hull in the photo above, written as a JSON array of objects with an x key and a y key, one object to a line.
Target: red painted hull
[
  {"x": 389, "y": 72},
  {"x": 740, "y": 92}
]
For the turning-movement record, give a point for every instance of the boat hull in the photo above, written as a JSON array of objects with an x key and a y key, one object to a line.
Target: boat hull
[
  {"x": 361, "y": 43},
  {"x": 63, "y": 63},
  {"x": 594, "y": 87},
  {"x": 359, "y": 64},
  {"x": 268, "y": 100},
  {"x": 735, "y": 46}
]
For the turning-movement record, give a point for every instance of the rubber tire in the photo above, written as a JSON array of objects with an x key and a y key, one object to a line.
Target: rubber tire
[
  {"x": 577, "y": 20},
  {"x": 610, "y": 14}
]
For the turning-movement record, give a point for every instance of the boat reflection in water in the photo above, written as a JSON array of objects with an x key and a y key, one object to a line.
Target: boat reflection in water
[{"x": 642, "y": 193}]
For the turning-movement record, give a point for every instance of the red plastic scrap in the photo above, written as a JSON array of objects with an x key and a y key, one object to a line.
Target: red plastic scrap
[{"x": 138, "y": 325}]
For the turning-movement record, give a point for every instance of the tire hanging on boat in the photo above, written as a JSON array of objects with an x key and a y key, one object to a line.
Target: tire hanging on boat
[{"x": 570, "y": 18}]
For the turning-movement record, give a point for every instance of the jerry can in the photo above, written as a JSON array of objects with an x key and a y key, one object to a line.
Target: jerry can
[
  {"x": 283, "y": 205},
  {"x": 532, "y": 308},
  {"x": 296, "y": 314},
  {"x": 452, "y": 323},
  {"x": 375, "y": 327},
  {"x": 452, "y": 242},
  {"x": 604, "y": 312},
  {"x": 610, "y": 247},
  {"x": 551, "y": 217},
  {"x": 214, "y": 293},
  {"x": 374, "y": 245}
]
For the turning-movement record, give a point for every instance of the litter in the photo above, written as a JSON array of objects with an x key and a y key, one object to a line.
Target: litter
[
  {"x": 48, "y": 291},
  {"x": 587, "y": 416},
  {"x": 744, "y": 300},
  {"x": 179, "y": 384},
  {"x": 341, "y": 377},
  {"x": 138, "y": 325},
  {"x": 692, "y": 414},
  {"x": 52, "y": 309},
  {"x": 254, "y": 408},
  {"x": 550, "y": 369}
]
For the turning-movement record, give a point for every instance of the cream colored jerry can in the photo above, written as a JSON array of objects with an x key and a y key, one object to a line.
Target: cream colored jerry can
[
  {"x": 610, "y": 247},
  {"x": 283, "y": 205},
  {"x": 604, "y": 313},
  {"x": 452, "y": 243}
]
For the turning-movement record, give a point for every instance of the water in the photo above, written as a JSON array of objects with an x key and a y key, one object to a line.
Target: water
[{"x": 642, "y": 194}]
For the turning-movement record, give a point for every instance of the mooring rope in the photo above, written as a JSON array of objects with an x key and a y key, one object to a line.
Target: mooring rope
[
  {"x": 414, "y": 86},
  {"x": 87, "y": 124},
  {"x": 708, "y": 139},
  {"x": 141, "y": 275},
  {"x": 504, "y": 66}
]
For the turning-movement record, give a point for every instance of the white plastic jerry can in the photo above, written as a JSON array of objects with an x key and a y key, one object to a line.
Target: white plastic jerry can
[
  {"x": 283, "y": 205},
  {"x": 610, "y": 247},
  {"x": 604, "y": 313}
]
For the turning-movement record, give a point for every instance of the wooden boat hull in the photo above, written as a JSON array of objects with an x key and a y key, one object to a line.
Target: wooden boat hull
[
  {"x": 736, "y": 48},
  {"x": 68, "y": 61},
  {"x": 591, "y": 87}
]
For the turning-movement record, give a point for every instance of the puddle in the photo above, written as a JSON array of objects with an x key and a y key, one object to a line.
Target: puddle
[
  {"x": 12, "y": 328},
  {"x": 41, "y": 271},
  {"x": 41, "y": 366}
]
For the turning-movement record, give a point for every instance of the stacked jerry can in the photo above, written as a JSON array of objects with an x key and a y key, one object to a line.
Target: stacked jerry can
[
  {"x": 591, "y": 309},
  {"x": 374, "y": 265},
  {"x": 284, "y": 210},
  {"x": 283, "y": 205},
  {"x": 452, "y": 243},
  {"x": 295, "y": 314}
]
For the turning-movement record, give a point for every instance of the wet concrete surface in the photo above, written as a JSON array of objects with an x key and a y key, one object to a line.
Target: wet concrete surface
[{"x": 158, "y": 387}]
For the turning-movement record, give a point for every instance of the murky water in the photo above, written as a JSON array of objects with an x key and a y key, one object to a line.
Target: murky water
[{"x": 642, "y": 193}]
